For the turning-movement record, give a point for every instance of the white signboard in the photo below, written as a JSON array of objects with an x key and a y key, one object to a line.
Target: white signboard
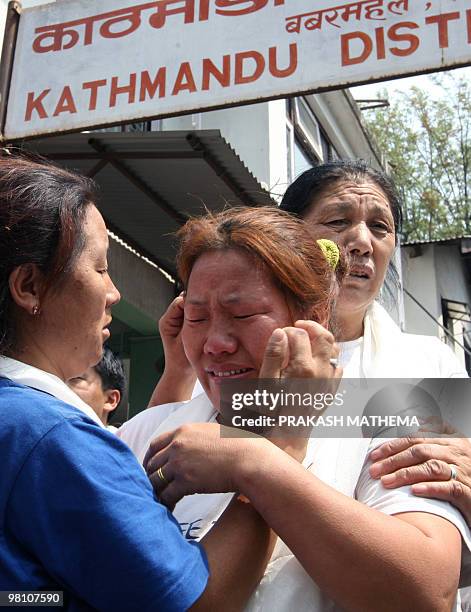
[{"x": 80, "y": 63}]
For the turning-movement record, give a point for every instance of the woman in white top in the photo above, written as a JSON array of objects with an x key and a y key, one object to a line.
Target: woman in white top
[
  {"x": 340, "y": 200},
  {"x": 255, "y": 283},
  {"x": 358, "y": 208}
]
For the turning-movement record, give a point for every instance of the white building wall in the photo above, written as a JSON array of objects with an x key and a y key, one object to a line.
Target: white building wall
[
  {"x": 246, "y": 129},
  {"x": 343, "y": 124},
  {"x": 438, "y": 273},
  {"x": 278, "y": 148},
  {"x": 451, "y": 279},
  {"x": 420, "y": 279},
  {"x": 257, "y": 133}
]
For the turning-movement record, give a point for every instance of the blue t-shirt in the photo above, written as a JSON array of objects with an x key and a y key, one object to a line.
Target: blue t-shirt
[{"x": 78, "y": 514}]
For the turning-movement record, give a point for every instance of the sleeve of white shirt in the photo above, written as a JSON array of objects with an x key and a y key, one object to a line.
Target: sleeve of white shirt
[
  {"x": 138, "y": 432},
  {"x": 450, "y": 365},
  {"x": 371, "y": 492}
]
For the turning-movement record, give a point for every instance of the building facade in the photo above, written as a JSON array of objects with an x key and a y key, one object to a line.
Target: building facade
[
  {"x": 153, "y": 175},
  {"x": 437, "y": 292}
]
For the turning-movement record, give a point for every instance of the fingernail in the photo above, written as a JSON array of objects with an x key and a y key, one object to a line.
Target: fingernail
[
  {"x": 388, "y": 479},
  {"x": 375, "y": 454},
  {"x": 419, "y": 488},
  {"x": 278, "y": 335}
]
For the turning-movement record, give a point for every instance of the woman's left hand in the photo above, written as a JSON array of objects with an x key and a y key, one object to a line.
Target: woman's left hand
[
  {"x": 304, "y": 351},
  {"x": 301, "y": 351},
  {"x": 425, "y": 464},
  {"x": 201, "y": 458}
]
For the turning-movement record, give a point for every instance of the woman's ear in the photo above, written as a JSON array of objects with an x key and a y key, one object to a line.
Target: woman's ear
[{"x": 26, "y": 283}]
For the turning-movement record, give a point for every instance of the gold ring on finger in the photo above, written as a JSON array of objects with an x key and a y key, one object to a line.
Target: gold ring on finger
[{"x": 161, "y": 476}]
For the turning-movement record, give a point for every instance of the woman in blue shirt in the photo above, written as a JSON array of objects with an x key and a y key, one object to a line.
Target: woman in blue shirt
[{"x": 77, "y": 513}]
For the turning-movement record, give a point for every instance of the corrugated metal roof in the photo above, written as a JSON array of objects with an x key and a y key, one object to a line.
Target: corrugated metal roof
[
  {"x": 437, "y": 241},
  {"x": 152, "y": 181}
]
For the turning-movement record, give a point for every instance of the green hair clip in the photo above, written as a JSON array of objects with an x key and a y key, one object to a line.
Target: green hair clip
[{"x": 330, "y": 250}]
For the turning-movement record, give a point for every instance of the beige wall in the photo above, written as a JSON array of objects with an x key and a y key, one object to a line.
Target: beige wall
[
  {"x": 419, "y": 277},
  {"x": 435, "y": 275},
  {"x": 144, "y": 288}
]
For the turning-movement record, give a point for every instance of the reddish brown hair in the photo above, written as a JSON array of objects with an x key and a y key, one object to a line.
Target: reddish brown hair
[{"x": 281, "y": 242}]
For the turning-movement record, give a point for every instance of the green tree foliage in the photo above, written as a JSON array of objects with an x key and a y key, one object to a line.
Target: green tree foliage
[{"x": 427, "y": 142}]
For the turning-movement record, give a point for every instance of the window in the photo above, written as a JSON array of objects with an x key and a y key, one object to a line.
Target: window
[
  {"x": 141, "y": 126},
  {"x": 300, "y": 156},
  {"x": 301, "y": 159},
  {"x": 307, "y": 128},
  {"x": 457, "y": 320},
  {"x": 307, "y": 144},
  {"x": 456, "y": 316}
]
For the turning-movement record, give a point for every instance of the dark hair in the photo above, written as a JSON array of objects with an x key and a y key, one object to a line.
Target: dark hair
[
  {"x": 42, "y": 212},
  {"x": 111, "y": 372},
  {"x": 311, "y": 183},
  {"x": 278, "y": 240}
]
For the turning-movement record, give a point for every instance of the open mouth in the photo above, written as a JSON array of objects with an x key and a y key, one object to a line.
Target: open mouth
[
  {"x": 360, "y": 272},
  {"x": 358, "y": 275},
  {"x": 220, "y": 373}
]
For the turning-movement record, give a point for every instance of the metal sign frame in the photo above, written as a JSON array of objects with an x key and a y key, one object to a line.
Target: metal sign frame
[{"x": 361, "y": 36}]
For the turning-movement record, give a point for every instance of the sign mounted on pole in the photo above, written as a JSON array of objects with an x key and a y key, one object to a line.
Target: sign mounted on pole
[{"x": 80, "y": 64}]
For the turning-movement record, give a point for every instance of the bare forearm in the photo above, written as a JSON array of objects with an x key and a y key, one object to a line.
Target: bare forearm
[
  {"x": 357, "y": 555},
  {"x": 173, "y": 387},
  {"x": 238, "y": 549}
]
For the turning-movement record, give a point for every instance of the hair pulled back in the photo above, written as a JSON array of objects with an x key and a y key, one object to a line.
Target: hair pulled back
[
  {"x": 310, "y": 184},
  {"x": 42, "y": 212},
  {"x": 279, "y": 241}
]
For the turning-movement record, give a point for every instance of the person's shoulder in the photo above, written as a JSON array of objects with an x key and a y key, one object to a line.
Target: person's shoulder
[
  {"x": 150, "y": 417},
  {"x": 440, "y": 360},
  {"x": 31, "y": 419},
  {"x": 138, "y": 431},
  {"x": 154, "y": 416},
  {"x": 28, "y": 416},
  {"x": 32, "y": 407},
  {"x": 135, "y": 432},
  {"x": 421, "y": 339},
  {"x": 419, "y": 342}
]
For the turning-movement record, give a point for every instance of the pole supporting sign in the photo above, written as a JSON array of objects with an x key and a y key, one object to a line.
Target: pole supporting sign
[{"x": 81, "y": 64}]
